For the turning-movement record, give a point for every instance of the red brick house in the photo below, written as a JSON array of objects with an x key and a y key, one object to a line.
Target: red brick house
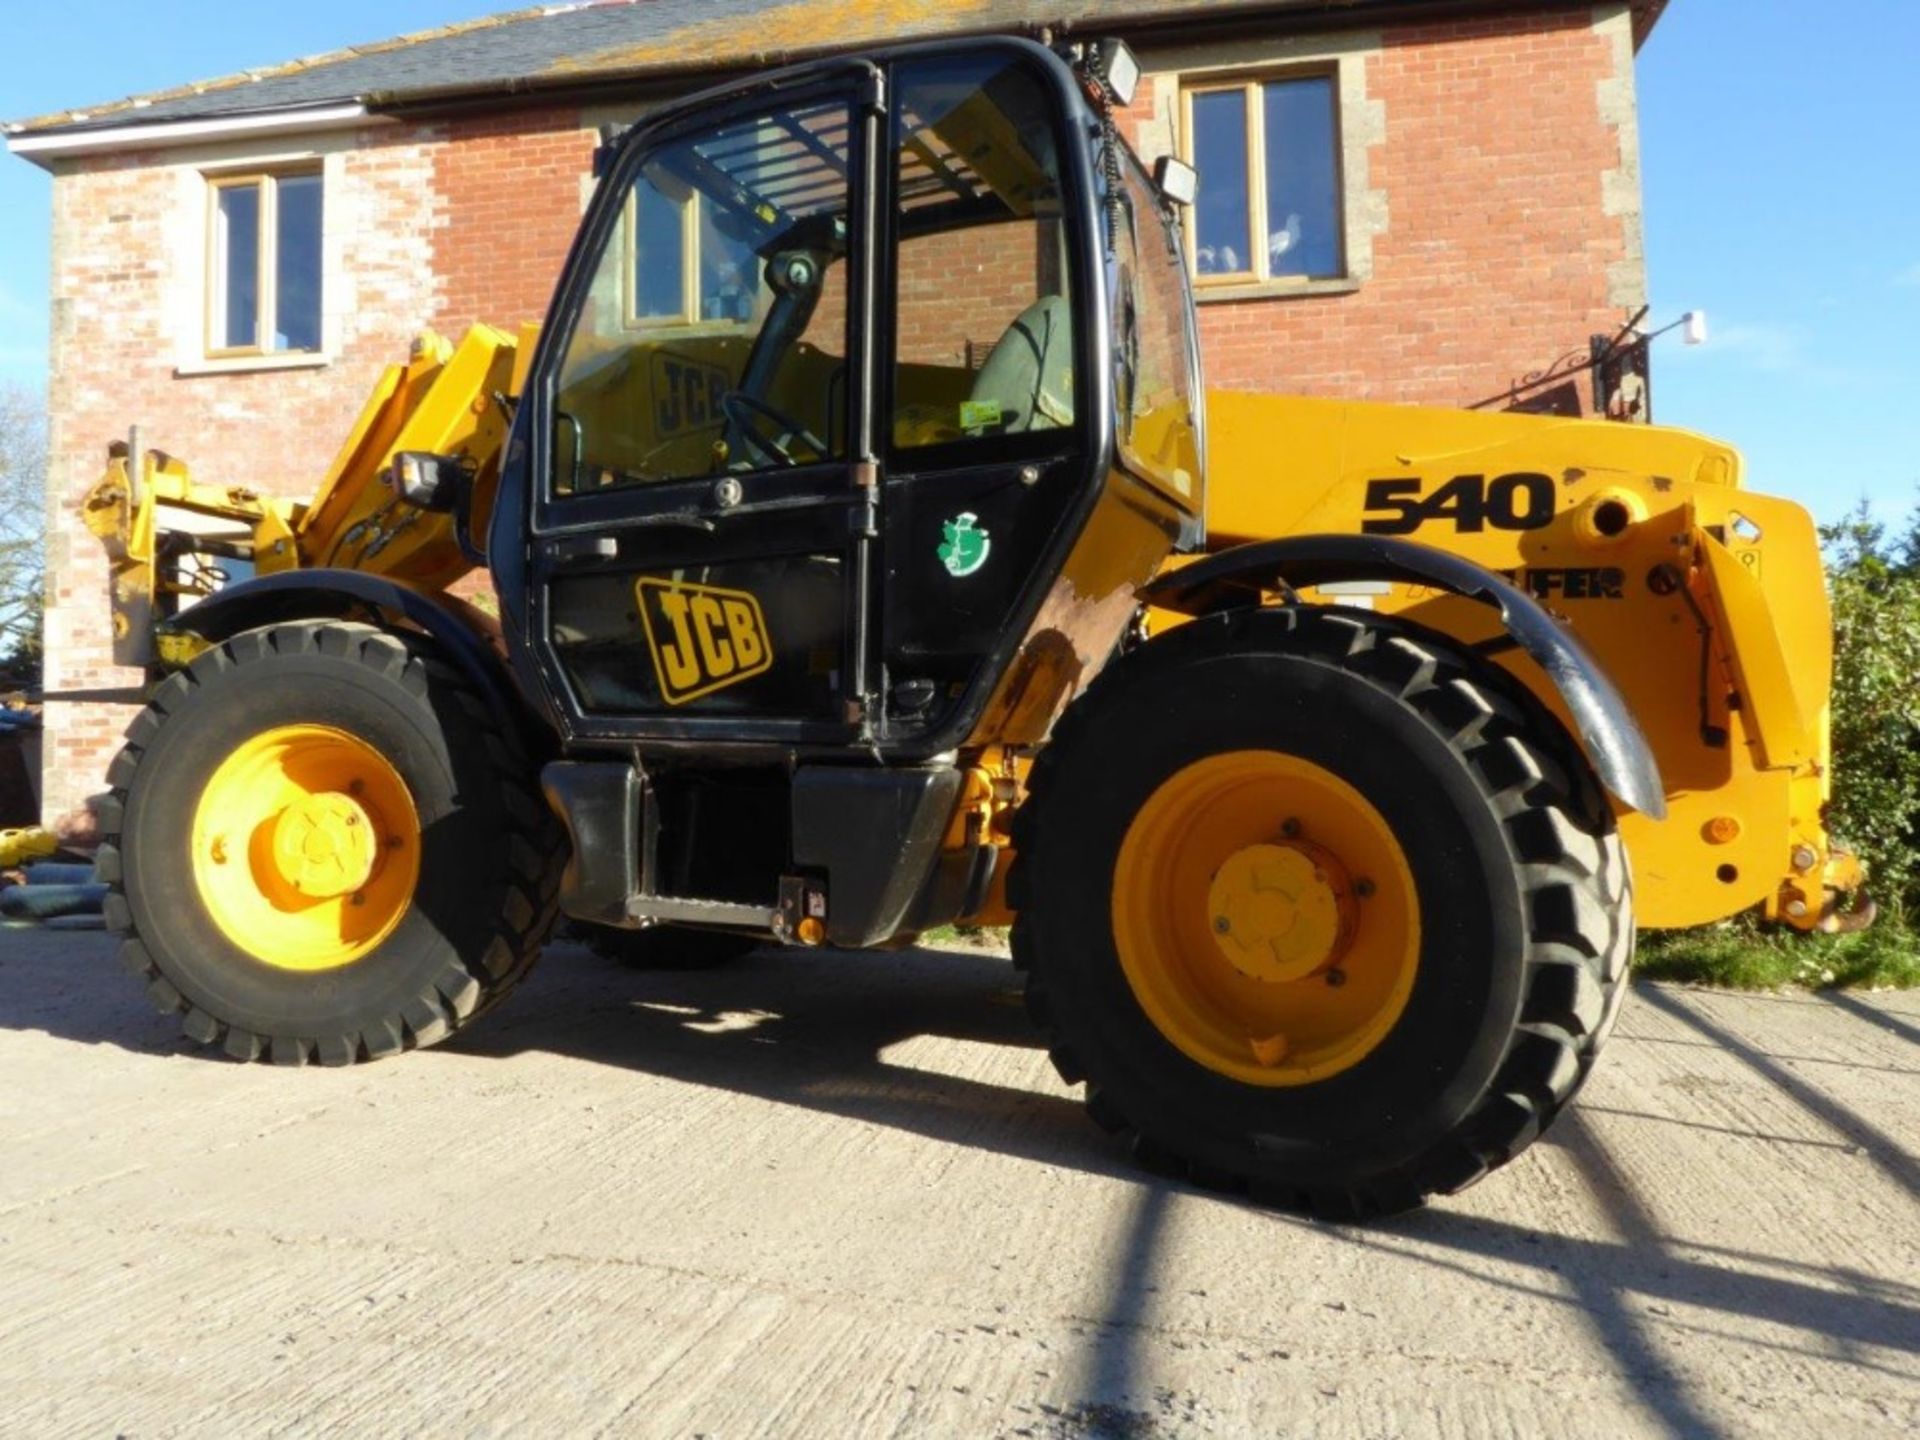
[{"x": 1415, "y": 200}]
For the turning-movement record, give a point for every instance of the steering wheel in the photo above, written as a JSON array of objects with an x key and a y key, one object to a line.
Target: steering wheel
[{"x": 746, "y": 414}]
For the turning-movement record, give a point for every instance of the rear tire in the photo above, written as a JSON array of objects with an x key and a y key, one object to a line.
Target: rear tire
[
  {"x": 485, "y": 872},
  {"x": 1518, "y": 951}
]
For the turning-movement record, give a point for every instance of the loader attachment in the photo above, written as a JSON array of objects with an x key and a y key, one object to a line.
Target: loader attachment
[
  {"x": 152, "y": 568},
  {"x": 172, "y": 540}
]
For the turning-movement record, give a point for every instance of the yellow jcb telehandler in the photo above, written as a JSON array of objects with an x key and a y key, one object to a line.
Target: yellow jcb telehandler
[{"x": 820, "y": 623}]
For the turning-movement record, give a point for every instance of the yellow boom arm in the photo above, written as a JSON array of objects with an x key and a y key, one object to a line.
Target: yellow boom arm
[{"x": 171, "y": 540}]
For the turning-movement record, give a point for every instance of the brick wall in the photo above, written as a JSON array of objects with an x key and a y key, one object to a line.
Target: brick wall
[
  {"x": 967, "y": 286},
  {"x": 1508, "y": 163},
  {"x": 1494, "y": 217},
  {"x": 128, "y": 254},
  {"x": 509, "y": 191}
]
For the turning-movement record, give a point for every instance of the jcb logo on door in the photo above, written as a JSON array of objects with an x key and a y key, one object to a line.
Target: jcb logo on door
[{"x": 703, "y": 639}]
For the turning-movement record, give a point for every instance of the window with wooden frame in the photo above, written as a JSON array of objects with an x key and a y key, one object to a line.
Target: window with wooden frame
[
  {"x": 264, "y": 265},
  {"x": 1270, "y": 210},
  {"x": 684, "y": 269}
]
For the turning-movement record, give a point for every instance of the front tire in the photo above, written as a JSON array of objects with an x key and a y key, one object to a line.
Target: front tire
[
  {"x": 323, "y": 845},
  {"x": 1318, "y": 903}
]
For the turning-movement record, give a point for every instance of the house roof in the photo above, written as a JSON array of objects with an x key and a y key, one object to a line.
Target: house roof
[{"x": 557, "y": 48}]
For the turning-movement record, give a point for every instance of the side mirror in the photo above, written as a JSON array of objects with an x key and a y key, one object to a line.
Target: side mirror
[
  {"x": 1178, "y": 181},
  {"x": 426, "y": 481}
]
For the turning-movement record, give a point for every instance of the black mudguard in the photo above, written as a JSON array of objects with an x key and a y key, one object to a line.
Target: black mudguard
[
  {"x": 1607, "y": 730},
  {"x": 315, "y": 594}
]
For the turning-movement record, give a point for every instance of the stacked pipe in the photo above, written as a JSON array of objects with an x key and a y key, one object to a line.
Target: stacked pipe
[{"x": 57, "y": 896}]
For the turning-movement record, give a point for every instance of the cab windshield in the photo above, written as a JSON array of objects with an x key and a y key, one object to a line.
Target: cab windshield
[
  {"x": 716, "y": 333},
  {"x": 714, "y": 337}
]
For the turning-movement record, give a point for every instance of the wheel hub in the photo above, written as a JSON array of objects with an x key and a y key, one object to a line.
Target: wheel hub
[
  {"x": 1266, "y": 918},
  {"x": 324, "y": 845},
  {"x": 306, "y": 847},
  {"x": 1280, "y": 912}
]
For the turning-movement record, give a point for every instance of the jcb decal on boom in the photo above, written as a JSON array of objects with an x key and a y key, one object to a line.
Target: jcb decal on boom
[
  {"x": 702, "y": 638},
  {"x": 1522, "y": 501},
  {"x": 687, "y": 394}
]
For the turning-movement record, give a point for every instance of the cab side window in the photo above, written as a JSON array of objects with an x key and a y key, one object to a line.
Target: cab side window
[
  {"x": 1158, "y": 411},
  {"x": 984, "y": 335}
]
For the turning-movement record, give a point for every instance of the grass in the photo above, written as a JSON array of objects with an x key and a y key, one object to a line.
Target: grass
[
  {"x": 966, "y": 937},
  {"x": 1741, "y": 955},
  {"x": 1736, "y": 955}
]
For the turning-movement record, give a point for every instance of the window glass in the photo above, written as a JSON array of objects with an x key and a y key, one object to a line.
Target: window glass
[
  {"x": 1270, "y": 205},
  {"x": 1221, "y": 214},
  {"x": 266, "y": 264},
  {"x": 984, "y": 333},
  {"x": 1303, "y": 179},
  {"x": 729, "y": 269},
  {"x": 297, "y": 261},
  {"x": 687, "y": 360},
  {"x": 1159, "y": 429},
  {"x": 237, "y": 238},
  {"x": 659, "y": 255}
]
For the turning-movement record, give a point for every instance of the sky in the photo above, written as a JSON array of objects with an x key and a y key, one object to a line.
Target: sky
[{"x": 1782, "y": 186}]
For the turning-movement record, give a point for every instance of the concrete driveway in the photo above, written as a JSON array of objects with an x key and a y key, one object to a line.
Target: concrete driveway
[{"x": 831, "y": 1195}]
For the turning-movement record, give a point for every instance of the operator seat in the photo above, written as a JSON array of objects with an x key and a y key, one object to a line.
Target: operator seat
[{"x": 1029, "y": 375}]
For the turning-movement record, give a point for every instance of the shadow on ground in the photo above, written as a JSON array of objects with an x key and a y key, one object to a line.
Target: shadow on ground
[{"x": 815, "y": 1029}]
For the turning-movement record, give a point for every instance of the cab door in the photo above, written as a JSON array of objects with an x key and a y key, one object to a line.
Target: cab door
[
  {"x": 704, "y": 514},
  {"x": 990, "y": 401}
]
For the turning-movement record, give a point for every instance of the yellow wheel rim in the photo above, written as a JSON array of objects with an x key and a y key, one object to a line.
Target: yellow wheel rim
[
  {"x": 1266, "y": 918},
  {"x": 306, "y": 848}
]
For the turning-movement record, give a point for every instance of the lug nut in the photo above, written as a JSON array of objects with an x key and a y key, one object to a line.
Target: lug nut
[
  {"x": 1363, "y": 887},
  {"x": 1222, "y": 925}
]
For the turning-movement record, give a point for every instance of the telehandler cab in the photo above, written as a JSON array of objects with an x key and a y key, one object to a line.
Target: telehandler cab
[{"x": 820, "y": 621}]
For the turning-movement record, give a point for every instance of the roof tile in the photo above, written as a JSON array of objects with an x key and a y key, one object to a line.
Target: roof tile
[{"x": 551, "y": 44}]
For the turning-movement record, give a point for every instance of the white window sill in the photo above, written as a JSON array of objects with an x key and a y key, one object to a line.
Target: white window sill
[
  {"x": 239, "y": 364},
  {"x": 1274, "y": 290}
]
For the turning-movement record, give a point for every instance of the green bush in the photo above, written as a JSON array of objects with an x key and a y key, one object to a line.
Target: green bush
[{"x": 1876, "y": 705}]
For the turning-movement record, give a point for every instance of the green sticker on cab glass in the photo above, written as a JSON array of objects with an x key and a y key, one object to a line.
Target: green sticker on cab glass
[{"x": 978, "y": 414}]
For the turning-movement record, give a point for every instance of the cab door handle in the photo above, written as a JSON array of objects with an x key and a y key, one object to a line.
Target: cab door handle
[
  {"x": 583, "y": 549},
  {"x": 576, "y": 549},
  {"x": 674, "y": 520}
]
